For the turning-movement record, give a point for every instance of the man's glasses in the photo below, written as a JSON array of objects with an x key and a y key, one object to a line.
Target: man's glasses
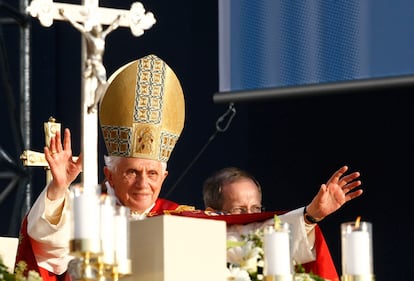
[{"x": 244, "y": 210}]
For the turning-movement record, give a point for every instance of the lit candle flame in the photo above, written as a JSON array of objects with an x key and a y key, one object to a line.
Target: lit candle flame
[{"x": 358, "y": 219}]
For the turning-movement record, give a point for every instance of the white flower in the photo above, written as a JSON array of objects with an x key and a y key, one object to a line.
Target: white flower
[
  {"x": 237, "y": 274},
  {"x": 19, "y": 273},
  {"x": 246, "y": 255},
  {"x": 245, "y": 258},
  {"x": 33, "y": 276}
]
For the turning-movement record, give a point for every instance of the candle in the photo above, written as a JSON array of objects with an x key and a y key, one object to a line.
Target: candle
[
  {"x": 356, "y": 248},
  {"x": 86, "y": 218},
  {"x": 108, "y": 229},
  {"x": 122, "y": 240},
  {"x": 277, "y": 251}
]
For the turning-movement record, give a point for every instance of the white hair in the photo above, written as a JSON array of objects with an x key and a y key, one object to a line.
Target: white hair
[{"x": 112, "y": 162}]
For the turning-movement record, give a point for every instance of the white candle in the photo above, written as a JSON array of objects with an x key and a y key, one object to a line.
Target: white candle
[
  {"x": 356, "y": 249},
  {"x": 277, "y": 253},
  {"x": 86, "y": 215},
  {"x": 108, "y": 229},
  {"x": 122, "y": 240}
]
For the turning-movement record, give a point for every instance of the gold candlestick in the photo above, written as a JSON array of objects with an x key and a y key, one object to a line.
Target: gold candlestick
[{"x": 367, "y": 277}]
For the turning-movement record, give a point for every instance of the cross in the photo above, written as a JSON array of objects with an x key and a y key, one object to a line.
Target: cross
[
  {"x": 34, "y": 158},
  {"x": 89, "y": 18}
]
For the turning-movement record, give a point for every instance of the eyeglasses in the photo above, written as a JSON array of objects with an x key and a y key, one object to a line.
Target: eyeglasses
[{"x": 244, "y": 210}]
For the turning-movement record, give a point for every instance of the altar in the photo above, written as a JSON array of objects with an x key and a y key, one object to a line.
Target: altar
[{"x": 171, "y": 248}]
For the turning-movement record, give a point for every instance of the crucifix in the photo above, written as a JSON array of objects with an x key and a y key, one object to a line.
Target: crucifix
[{"x": 89, "y": 18}]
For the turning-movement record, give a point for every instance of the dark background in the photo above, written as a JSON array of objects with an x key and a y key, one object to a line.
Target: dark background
[{"x": 292, "y": 145}]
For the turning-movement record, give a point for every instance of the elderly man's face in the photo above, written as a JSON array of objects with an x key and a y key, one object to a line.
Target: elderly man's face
[
  {"x": 241, "y": 197},
  {"x": 137, "y": 182}
]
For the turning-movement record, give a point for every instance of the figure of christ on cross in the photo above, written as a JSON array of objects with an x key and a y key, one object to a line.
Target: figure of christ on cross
[
  {"x": 95, "y": 37},
  {"x": 89, "y": 18}
]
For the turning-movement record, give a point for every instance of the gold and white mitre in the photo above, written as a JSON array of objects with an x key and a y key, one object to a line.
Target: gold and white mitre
[{"x": 143, "y": 110}]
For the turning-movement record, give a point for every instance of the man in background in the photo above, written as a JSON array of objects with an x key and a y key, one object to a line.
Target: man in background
[{"x": 235, "y": 191}]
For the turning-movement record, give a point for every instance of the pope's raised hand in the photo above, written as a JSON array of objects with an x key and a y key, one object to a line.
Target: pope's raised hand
[{"x": 63, "y": 166}]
